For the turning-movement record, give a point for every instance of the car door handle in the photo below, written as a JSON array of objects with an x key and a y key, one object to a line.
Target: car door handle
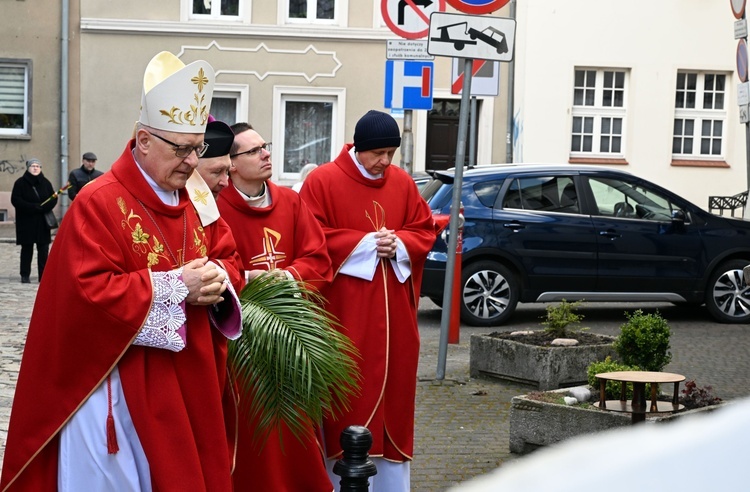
[
  {"x": 610, "y": 234},
  {"x": 515, "y": 226}
]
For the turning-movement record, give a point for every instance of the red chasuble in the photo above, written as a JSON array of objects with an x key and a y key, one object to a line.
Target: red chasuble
[
  {"x": 95, "y": 296},
  {"x": 380, "y": 316},
  {"x": 284, "y": 235}
]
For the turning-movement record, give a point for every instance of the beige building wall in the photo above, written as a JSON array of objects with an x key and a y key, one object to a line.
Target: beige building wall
[
  {"x": 261, "y": 56},
  {"x": 31, "y": 30}
]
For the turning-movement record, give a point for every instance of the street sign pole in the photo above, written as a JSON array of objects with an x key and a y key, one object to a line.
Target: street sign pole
[
  {"x": 473, "y": 133},
  {"x": 463, "y": 124},
  {"x": 407, "y": 143},
  {"x": 740, "y": 32}
]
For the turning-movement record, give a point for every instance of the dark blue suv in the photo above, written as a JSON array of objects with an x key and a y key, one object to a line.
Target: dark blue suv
[{"x": 538, "y": 233}]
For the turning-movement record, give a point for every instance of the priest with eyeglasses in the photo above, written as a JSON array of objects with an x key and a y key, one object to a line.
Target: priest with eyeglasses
[{"x": 124, "y": 368}]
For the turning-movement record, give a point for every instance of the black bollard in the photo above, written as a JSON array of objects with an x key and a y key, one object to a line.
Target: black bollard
[{"x": 355, "y": 467}]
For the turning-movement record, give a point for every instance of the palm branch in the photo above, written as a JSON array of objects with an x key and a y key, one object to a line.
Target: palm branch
[{"x": 292, "y": 366}]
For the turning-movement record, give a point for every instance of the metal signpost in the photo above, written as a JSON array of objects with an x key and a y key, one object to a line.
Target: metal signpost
[
  {"x": 743, "y": 88},
  {"x": 469, "y": 37}
]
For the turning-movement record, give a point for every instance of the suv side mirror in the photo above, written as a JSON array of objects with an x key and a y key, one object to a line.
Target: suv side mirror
[{"x": 678, "y": 216}]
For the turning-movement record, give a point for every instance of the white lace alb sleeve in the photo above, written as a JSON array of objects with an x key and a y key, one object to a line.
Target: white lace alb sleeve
[{"x": 165, "y": 325}]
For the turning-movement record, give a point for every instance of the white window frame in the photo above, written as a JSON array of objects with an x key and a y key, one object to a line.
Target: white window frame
[
  {"x": 27, "y": 65},
  {"x": 241, "y": 92},
  {"x": 282, "y": 94},
  {"x": 599, "y": 112},
  {"x": 243, "y": 12},
  {"x": 340, "y": 14},
  {"x": 699, "y": 115}
]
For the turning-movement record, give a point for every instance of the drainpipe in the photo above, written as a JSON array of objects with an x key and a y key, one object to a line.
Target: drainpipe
[
  {"x": 64, "y": 42},
  {"x": 511, "y": 82}
]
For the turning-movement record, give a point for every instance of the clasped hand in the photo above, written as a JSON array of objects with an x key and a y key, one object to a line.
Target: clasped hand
[
  {"x": 204, "y": 281},
  {"x": 386, "y": 243}
]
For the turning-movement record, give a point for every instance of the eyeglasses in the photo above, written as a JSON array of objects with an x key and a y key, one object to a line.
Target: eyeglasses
[
  {"x": 183, "y": 150},
  {"x": 266, "y": 146}
]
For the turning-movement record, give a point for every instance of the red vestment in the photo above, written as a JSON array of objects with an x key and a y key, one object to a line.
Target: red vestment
[
  {"x": 380, "y": 316},
  {"x": 284, "y": 235},
  {"x": 95, "y": 297}
]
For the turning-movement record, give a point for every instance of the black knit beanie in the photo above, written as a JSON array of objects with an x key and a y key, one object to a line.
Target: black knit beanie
[{"x": 376, "y": 130}]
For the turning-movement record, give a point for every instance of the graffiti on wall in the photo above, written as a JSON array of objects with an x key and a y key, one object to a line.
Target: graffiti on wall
[{"x": 10, "y": 167}]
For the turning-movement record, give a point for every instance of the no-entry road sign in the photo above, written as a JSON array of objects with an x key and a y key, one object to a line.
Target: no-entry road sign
[{"x": 410, "y": 19}]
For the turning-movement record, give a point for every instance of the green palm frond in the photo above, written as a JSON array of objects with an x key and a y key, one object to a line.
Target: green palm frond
[{"x": 292, "y": 366}]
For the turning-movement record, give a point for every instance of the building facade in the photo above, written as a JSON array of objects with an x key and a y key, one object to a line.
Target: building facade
[
  {"x": 650, "y": 87},
  {"x": 647, "y": 86}
]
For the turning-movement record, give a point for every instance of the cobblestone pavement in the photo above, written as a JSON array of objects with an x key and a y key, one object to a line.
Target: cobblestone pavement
[{"x": 461, "y": 423}]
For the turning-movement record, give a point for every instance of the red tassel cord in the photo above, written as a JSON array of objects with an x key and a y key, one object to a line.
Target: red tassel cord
[{"x": 112, "y": 447}]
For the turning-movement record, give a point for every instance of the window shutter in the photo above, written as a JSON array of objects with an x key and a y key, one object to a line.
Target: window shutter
[{"x": 12, "y": 90}]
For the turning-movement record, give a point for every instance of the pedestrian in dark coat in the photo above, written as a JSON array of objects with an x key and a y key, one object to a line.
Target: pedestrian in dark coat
[
  {"x": 29, "y": 191},
  {"x": 83, "y": 175}
]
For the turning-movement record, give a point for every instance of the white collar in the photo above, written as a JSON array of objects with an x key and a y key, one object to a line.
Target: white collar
[
  {"x": 167, "y": 197},
  {"x": 362, "y": 168}
]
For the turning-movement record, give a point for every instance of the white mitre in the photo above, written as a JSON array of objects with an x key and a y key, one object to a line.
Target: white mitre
[{"x": 176, "y": 97}]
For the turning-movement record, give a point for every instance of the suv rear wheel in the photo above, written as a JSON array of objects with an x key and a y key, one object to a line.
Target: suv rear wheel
[
  {"x": 489, "y": 295},
  {"x": 727, "y": 295}
]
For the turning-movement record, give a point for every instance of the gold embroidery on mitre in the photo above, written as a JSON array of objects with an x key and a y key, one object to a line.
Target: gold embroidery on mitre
[{"x": 199, "y": 109}]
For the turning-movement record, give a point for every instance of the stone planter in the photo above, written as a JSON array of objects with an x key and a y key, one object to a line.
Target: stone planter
[
  {"x": 545, "y": 367},
  {"x": 534, "y": 423}
]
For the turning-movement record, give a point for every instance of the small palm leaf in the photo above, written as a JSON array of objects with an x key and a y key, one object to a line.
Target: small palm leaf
[{"x": 291, "y": 364}]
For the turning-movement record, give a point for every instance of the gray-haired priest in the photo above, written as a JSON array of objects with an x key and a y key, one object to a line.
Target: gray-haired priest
[{"x": 121, "y": 380}]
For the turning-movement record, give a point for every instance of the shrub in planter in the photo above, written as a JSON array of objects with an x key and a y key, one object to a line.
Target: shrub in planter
[
  {"x": 612, "y": 390},
  {"x": 694, "y": 396},
  {"x": 559, "y": 317},
  {"x": 644, "y": 341}
]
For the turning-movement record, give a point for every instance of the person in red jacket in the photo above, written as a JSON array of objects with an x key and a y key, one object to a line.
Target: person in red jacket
[
  {"x": 378, "y": 231},
  {"x": 275, "y": 232}
]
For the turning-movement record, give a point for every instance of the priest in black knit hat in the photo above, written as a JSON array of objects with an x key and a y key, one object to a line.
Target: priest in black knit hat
[{"x": 378, "y": 232}]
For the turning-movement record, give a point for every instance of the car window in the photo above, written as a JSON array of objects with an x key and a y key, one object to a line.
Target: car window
[
  {"x": 437, "y": 193},
  {"x": 543, "y": 193},
  {"x": 487, "y": 192},
  {"x": 616, "y": 198}
]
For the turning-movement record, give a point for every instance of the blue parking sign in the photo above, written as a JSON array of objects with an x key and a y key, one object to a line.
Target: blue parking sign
[{"x": 408, "y": 84}]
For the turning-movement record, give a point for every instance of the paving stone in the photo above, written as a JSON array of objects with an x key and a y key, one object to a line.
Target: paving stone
[{"x": 461, "y": 423}]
